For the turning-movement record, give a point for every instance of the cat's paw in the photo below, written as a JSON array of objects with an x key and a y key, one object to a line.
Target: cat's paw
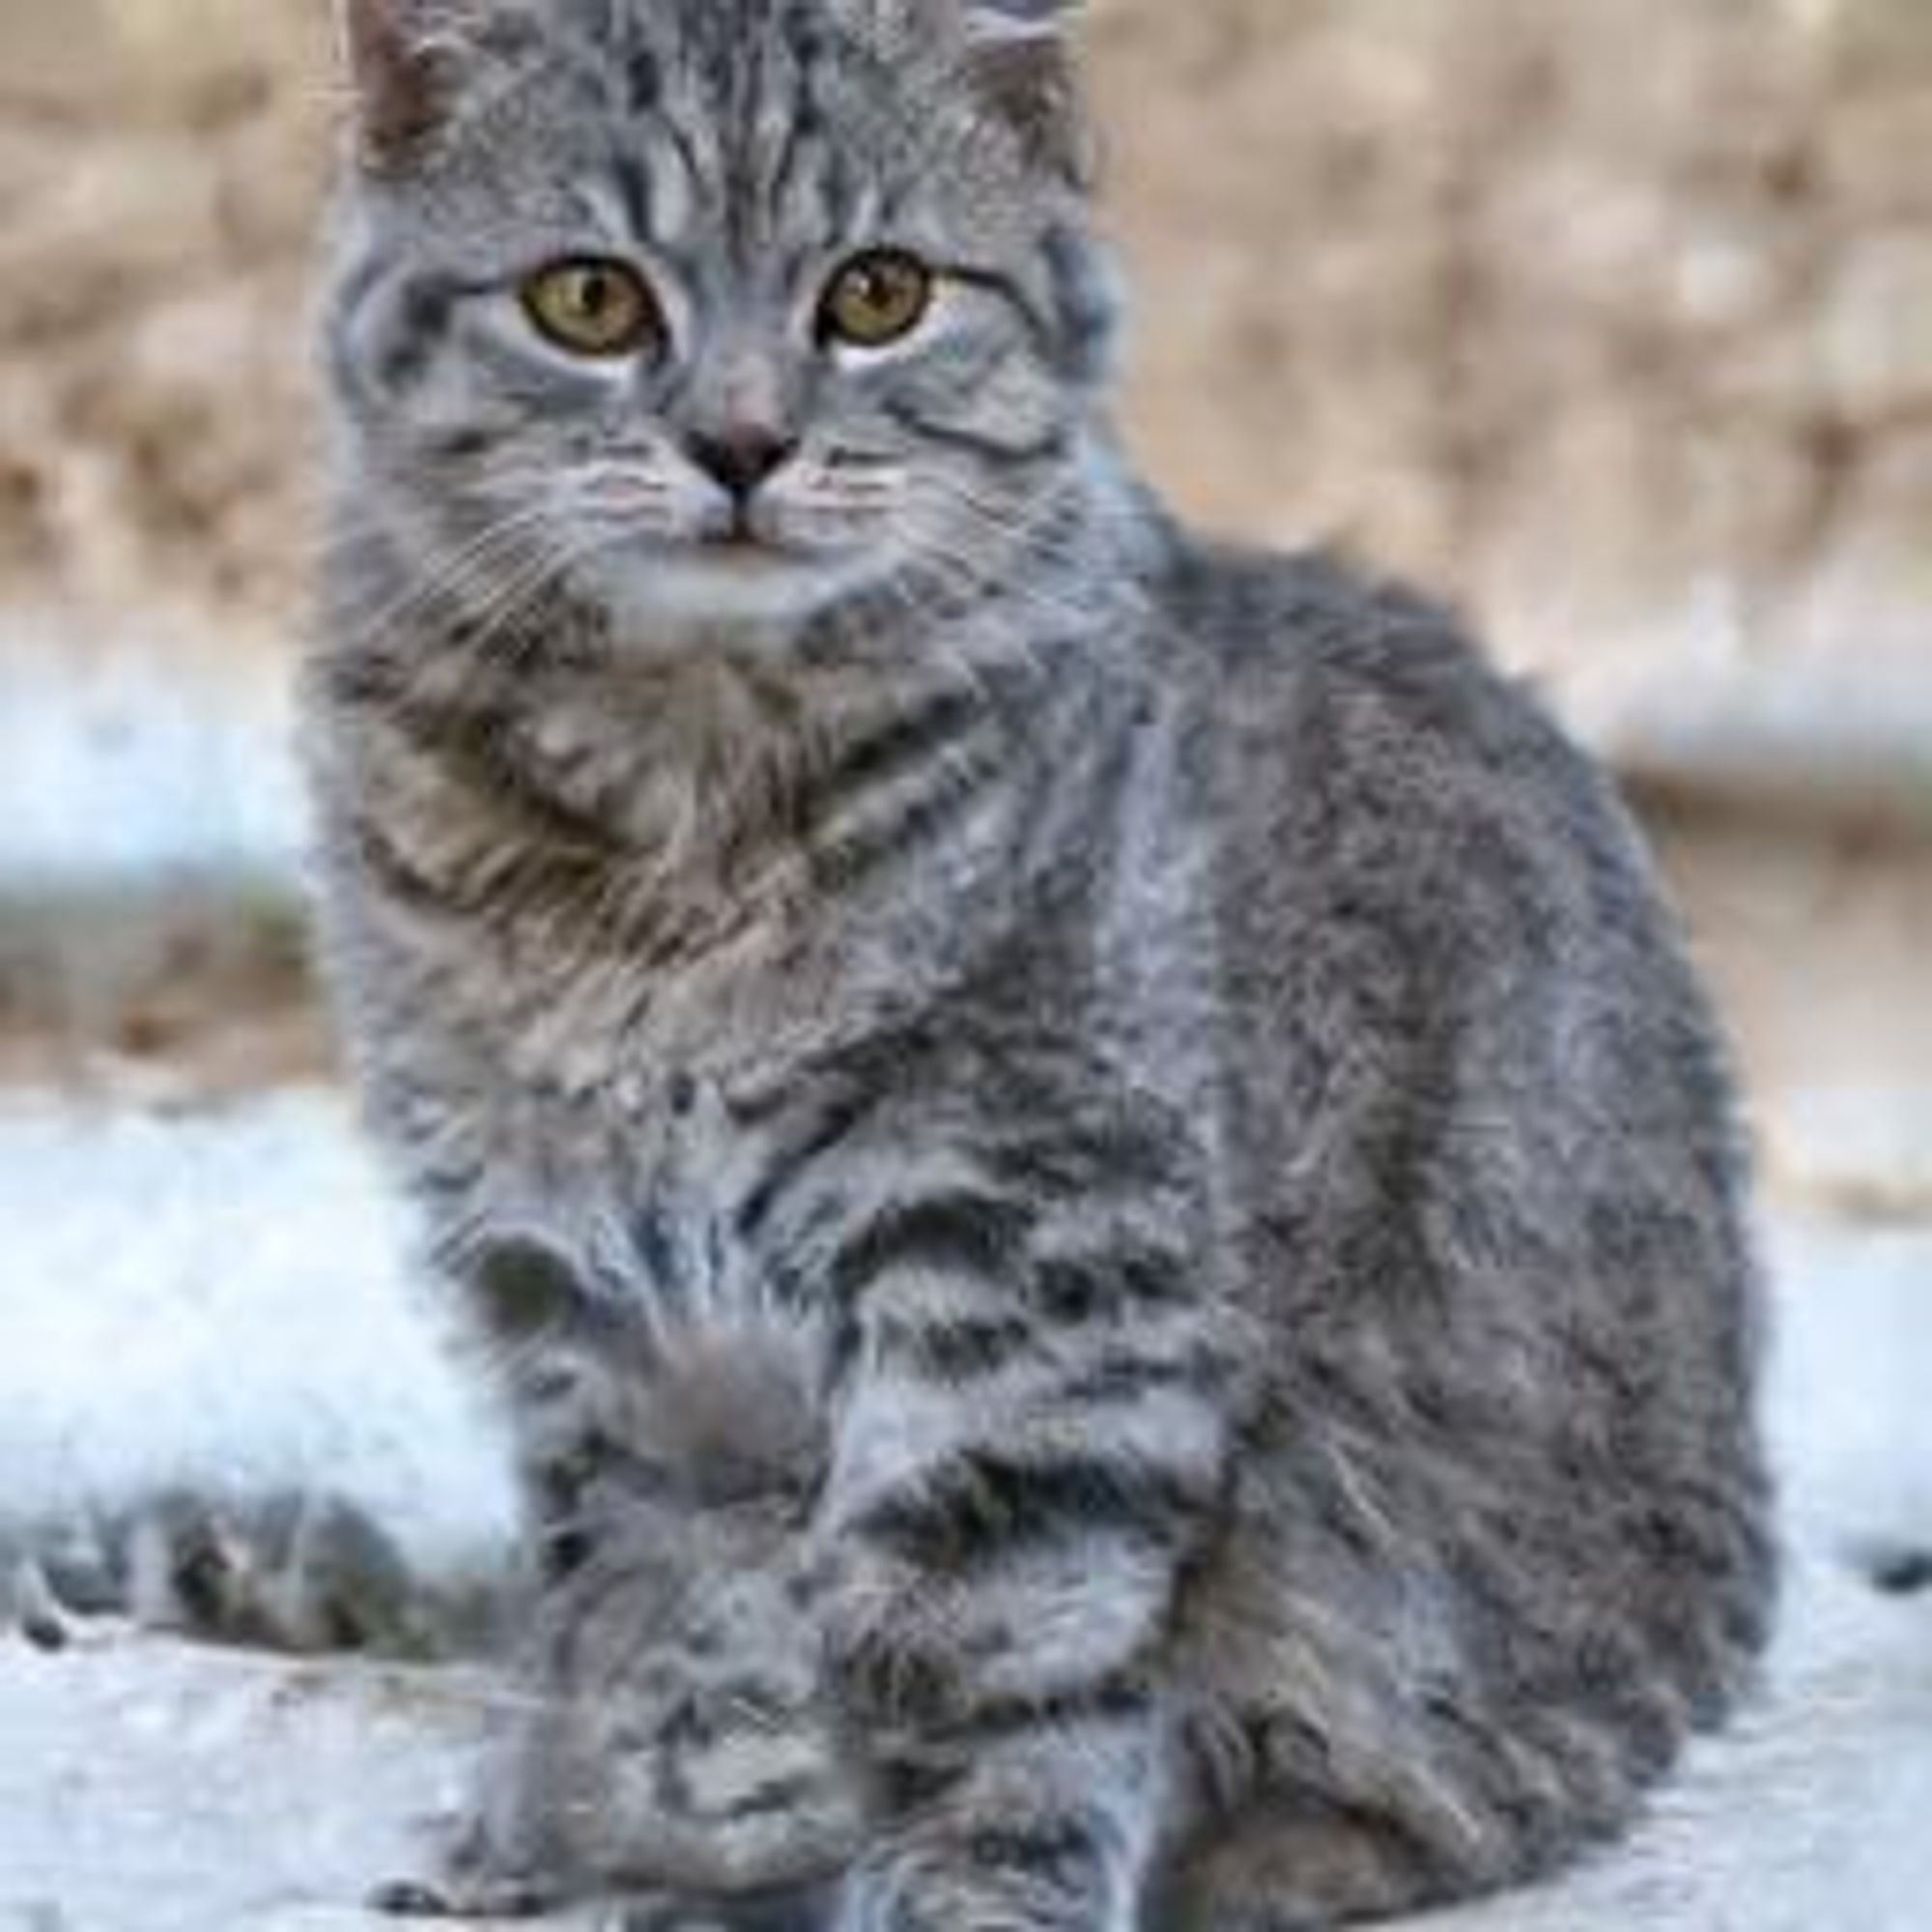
[
  {"x": 1018, "y": 1875},
  {"x": 812, "y": 1908},
  {"x": 300, "y": 1574},
  {"x": 57, "y": 1578}
]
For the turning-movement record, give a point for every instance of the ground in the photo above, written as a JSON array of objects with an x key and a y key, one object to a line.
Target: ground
[{"x": 247, "y": 1322}]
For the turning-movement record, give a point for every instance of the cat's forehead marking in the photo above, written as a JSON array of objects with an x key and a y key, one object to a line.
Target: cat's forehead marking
[
  {"x": 651, "y": 178},
  {"x": 734, "y": 138}
]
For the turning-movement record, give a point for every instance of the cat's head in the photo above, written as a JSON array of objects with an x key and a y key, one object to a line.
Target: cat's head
[{"x": 717, "y": 308}]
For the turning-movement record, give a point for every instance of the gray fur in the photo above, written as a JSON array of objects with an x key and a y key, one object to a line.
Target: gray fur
[
  {"x": 1195, "y": 1060},
  {"x": 675, "y": 1741}
]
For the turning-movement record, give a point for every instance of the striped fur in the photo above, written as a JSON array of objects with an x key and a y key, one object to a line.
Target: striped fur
[
  {"x": 671, "y": 1738},
  {"x": 1193, "y": 1063}
]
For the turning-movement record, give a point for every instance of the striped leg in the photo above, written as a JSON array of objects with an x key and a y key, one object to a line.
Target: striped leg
[
  {"x": 1029, "y": 1443},
  {"x": 1048, "y": 1828}
]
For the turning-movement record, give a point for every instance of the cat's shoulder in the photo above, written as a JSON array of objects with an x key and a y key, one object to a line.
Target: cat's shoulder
[
  {"x": 1393, "y": 688},
  {"x": 1320, "y": 625}
]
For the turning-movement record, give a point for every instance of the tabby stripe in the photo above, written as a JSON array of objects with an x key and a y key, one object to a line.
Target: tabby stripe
[
  {"x": 800, "y": 1160},
  {"x": 415, "y": 332},
  {"x": 643, "y": 81},
  {"x": 902, "y": 743},
  {"x": 803, "y": 131},
  {"x": 1124, "y": 1699},
  {"x": 980, "y": 1506},
  {"x": 962, "y": 1229},
  {"x": 991, "y": 282},
  {"x": 1062, "y": 1853},
  {"x": 1120, "y": 1380},
  {"x": 1115, "y": 1159},
  {"x": 901, "y": 825},
  {"x": 1074, "y": 1288},
  {"x": 632, "y": 183},
  {"x": 395, "y": 877},
  {"x": 968, "y": 1349},
  {"x": 686, "y": 150},
  {"x": 660, "y": 1251},
  {"x": 471, "y": 747},
  {"x": 989, "y": 450},
  {"x": 774, "y": 1794}
]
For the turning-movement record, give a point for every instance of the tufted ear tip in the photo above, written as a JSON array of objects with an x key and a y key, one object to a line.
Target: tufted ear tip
[
  {"x": 394, "y": 73},
  {"x": 1024, "y": 55}
]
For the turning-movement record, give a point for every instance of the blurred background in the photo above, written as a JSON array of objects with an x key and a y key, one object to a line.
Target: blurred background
[{"x": 1611, "y": 318}]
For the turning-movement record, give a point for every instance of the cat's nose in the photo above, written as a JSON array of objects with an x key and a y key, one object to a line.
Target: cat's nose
[{"x": 741, "y": 458}]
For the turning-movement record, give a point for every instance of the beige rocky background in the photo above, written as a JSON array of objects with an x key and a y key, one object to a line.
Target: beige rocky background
[{"x": 1613, "y": 316}]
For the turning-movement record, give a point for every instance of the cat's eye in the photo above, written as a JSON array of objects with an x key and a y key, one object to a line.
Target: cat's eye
[
  {"x": 593, "y": 307},
  {"x": 876, "y": 299}
]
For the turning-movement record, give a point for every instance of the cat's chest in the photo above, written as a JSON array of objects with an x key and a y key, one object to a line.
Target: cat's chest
[
  {"x": 599, "y": 994},
  {"x": 594, "y": 911},
  {"x": 562, "y": 1087}
]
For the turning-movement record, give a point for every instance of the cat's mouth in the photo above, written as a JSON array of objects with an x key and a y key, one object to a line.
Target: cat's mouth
[
  {"x": 745, "y": 570},
  {"x": 742, "y": 545}
]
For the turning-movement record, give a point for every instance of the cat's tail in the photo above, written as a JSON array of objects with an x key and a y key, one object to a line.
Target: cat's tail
[{"x": 295, "y": 1572}]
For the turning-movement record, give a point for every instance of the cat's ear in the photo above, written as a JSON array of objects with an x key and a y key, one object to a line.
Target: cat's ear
[
  {"x": 1022, "y": 55},
  {"x": 393, "y": 52}
]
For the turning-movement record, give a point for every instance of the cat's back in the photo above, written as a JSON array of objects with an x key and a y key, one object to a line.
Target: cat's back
[
  {"x": 1372, "y": 783},
  {"x": 1428, "y": 901},
  {"x": 1318, "y": 676}
]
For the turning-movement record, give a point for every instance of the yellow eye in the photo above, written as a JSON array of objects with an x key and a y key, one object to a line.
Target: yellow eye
[
  {"x": 593, "y": 307},
  {"x": 877, "y": 298}
]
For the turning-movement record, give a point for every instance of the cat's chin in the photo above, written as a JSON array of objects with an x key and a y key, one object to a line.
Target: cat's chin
[{"x": 735, "y": 583}]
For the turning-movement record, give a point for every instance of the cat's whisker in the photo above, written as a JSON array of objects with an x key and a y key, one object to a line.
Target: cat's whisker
[
  {"x": 448, "y": 579},
  {"x": 1031, "y": 534},
  {"x": 1029, "y": 525},
  {"x": 498, "y": 623}
]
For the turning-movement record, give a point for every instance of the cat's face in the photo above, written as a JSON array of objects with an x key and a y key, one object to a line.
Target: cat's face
[{"x": 712, "y": 308}]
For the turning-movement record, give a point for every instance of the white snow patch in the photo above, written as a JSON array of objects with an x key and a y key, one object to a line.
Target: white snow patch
[
  {"x": 128, "y": 767},
  {"x": 220, "y": 1302},
  {"x": 147, "y": 1786},
  {"x": 1850, "y": 1397}
]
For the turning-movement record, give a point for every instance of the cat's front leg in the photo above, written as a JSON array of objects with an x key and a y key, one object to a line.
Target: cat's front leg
[
  {"x": 1029, "y": 1443},
  {"x": 1053, "y": 1827}
]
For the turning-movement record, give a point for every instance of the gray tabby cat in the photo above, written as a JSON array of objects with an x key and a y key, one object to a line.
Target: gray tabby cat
[{"x": 1194, "y": 1060}]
